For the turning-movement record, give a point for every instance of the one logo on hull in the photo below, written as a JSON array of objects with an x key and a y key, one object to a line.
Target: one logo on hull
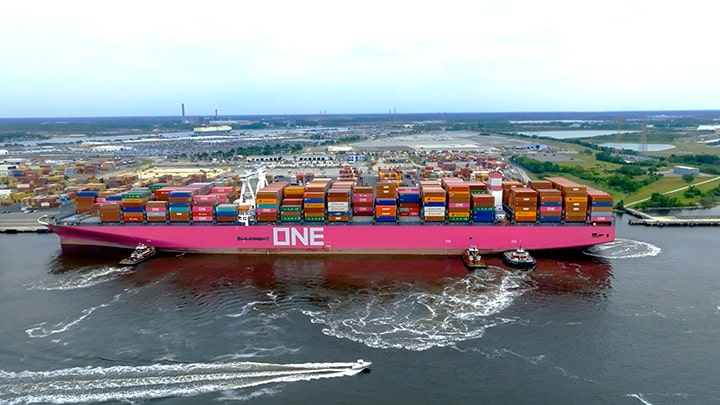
[{"x": 310, "y": 236}]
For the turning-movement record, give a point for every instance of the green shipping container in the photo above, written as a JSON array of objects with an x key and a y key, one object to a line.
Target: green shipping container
[{"x": 459, "y": 219}]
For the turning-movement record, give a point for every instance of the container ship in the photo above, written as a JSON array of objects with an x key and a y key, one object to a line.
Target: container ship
[
  {"x": 327, "y": 216},
  {"x": 212, "y": 130}
]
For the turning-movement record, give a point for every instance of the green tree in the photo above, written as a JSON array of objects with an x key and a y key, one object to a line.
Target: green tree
[
  {"x": 707, "y": 201},
  {"x": 688, "y": 178}
]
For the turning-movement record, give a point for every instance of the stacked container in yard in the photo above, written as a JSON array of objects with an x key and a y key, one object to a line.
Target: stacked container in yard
[
  {"x": 339, "y": 198},
  {"x": 483, "y": 207},
  {"x": 362, "y": 201},
  {"x": 226, "y": 213},
  {"x": 389, "y": 175},
  {"x": 203, "y": 207},
  {"x": 267, "y": 201},
  {"x": 458, "y": 199},
  {"x": 179, "y": 202},
  {"x": 84, "y": 201},
  {"x": 575, "y": 199},
  {"x": 133, "y": 205},
  {"x": 314, "y": 200},
  {"x": 434, "y": 200},
  {"x": 522, "y": 204},
  {"x": 156, "y": 211},
  {"x": 386, "y": 208},
  {"x": 409, "y": 203},
  {"x": 291, "y": 207},
  {"x": 600, "y": 206}
]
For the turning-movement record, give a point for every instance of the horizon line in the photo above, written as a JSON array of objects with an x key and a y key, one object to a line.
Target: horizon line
[{"x": 381, "y": 114}]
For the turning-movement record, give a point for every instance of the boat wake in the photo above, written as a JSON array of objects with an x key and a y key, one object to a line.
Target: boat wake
[
  {"x": 404, "y": 317},
  {"x": 81, "y": 278},
  {"x": 127, "y": 383},
  {"x": 624, "y": 249},
  {"x": 44, "y": 330}
]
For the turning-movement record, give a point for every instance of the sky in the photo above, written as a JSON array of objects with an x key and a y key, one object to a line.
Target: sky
[{"x": 146, "y": 58}]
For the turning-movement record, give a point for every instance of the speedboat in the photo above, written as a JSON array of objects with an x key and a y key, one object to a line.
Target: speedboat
[
  {"x": 519, "y": 258},
  {"x": 141, "y": 253},
  {"x": 472, "y": 259}
]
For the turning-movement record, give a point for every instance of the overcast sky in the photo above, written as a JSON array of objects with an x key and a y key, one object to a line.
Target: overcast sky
[{"x": 145, "y": 58}]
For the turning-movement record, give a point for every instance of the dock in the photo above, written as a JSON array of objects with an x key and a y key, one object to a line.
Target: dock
[
  {"x": 643, "y": 218},
  {"x": 21, "y": 222}
]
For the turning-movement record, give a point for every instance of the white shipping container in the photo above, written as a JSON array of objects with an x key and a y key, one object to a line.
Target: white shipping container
[
  {"x": 333, "y": 206},
  {"x": 434, "y": 210}
]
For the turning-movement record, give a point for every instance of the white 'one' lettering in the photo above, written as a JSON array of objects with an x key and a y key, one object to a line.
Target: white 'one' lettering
[{"x": 298, "y": 237}]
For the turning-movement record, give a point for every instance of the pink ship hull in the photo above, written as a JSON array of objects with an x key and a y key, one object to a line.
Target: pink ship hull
[{"x": 287, "y": 239}]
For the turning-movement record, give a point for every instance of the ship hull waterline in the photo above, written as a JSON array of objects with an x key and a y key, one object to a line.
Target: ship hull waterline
[{"x": 322, "y": 239}]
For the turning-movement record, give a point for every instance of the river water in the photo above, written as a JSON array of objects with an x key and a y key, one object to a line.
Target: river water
[{"x": 632, "y": 322}]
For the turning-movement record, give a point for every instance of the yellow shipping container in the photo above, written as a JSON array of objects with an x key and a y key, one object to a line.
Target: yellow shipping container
[
  {"x": 266, "y": 201},
  {"x": 576, "y": 199},
  {"x": 134, "y": 200},
  {"x": 433, "y": 199},
  {"x": 314, "y": 205},
  {"x": 458, "y": 214}
]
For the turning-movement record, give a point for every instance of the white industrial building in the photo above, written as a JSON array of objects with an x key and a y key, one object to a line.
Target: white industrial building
[{"x": 686, "y": 170}]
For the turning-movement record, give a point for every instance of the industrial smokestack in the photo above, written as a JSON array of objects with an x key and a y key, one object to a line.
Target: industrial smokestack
[{"x": 183, "y": 111}]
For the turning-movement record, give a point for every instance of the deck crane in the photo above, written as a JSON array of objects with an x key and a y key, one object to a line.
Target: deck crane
[{"x": 248, "y": 193}]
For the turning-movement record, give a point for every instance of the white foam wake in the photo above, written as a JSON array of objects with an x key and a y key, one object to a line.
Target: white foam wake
[
  {"x": 82, "y": 278},
  {"x": 640, "y": 398},
  {"x": 624, "y": 249},
  {"x": 406, "y": 317},
  {"x": 43, "y": 330},
  {"x": 123, "y": 383}
]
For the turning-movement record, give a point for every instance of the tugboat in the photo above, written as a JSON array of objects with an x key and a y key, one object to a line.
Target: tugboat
[
  {"x": 472, "y": 259},
  {"x": 519, "y": 258},
  {"x": 141, "y": 253}
]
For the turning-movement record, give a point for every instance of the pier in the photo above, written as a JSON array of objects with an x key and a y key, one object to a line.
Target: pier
[
  {"x": 642, "y": 218},
  {"x": 21, "y": 222}
]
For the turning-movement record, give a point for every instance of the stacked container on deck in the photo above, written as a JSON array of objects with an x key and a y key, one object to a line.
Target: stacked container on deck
[
  {"x": 600, "y": 205},
  {"x": 522, "y": 203},
  {"x": 482, "y": 203},
  {"x": 203, "y": 207},
  {"x": 179, "y": 202},
  {"x": 267, "y": 202},
  {"x": 156, "y": 211},
  {"x": 434, "y": 199},
  {"x": 458, "y": 198},
  {"x": 339, "y": 197},
  {"x": 133, "y": 204},
  {"x": 291, "y": 208},
  {"x": 386, "y": 208},
  {"x": 575, "y": 199},
  {"x": 314, "y": 200},
  {"x": 362, "y": 201},
  {"x": 84, "y": 200},
  {"x": 506, "y": 186},
  {"x": 409, "y": 203},
  {"x": 549, "y": 201}
]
